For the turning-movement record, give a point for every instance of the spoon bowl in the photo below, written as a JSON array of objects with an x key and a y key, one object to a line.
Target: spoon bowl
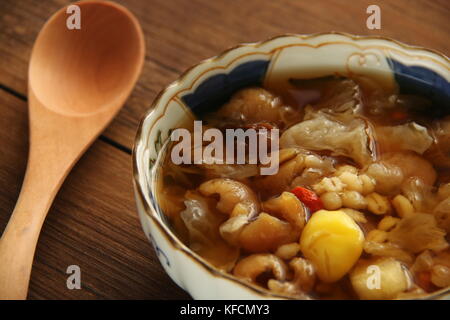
[
  {"x": 78, "y": 80},
  {"x": 79, "y": 72}
]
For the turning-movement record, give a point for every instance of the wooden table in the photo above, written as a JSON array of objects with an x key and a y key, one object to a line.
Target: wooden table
[{"x": 93, "y": 222}]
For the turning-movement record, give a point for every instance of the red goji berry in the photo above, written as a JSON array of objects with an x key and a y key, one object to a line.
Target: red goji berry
[{"x": 309, "y": 198}]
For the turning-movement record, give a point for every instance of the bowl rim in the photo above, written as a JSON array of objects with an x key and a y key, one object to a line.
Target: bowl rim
[{"x": 171, "y": 238}]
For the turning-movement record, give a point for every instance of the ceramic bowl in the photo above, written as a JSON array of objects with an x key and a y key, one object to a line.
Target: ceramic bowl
[{"x": 211, "y": 82}]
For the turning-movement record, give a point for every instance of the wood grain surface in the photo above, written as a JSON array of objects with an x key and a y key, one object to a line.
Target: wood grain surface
[{"x": 93, "y": 222}]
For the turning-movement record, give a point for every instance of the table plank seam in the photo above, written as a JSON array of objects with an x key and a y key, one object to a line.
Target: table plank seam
[
  {"x": 115, "y": 144},
  {"x": 13, "y": 92},
  {"x": 102, "y": 137}
]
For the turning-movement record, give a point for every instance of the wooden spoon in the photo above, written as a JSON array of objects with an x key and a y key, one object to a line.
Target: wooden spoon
[{"x": 78, "y": 80}]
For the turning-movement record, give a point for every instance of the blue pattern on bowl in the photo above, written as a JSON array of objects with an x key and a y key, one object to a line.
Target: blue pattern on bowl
[
  {"x": 423, "y": 81},
  {"x": 216, "y": 90},
  {"x": 158, "y": 250}
]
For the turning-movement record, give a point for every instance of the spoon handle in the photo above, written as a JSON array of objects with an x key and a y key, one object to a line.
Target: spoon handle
[
  {"x": 56, "y": 143},
  {"x": 18, "y": 242}
]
